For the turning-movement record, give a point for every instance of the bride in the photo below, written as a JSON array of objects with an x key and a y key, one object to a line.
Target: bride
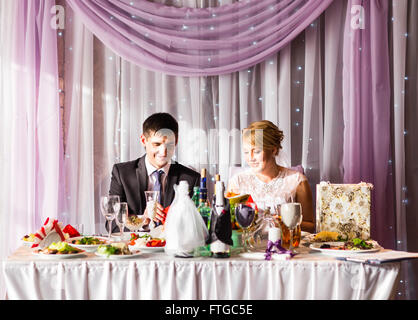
[{"x": 266, "y": 181}]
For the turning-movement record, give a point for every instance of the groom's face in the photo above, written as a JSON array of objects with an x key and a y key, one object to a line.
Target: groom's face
[{"x": 159, "y": 146}]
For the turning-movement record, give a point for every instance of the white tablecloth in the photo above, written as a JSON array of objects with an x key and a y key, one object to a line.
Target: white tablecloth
[{"x": 158, "y": 276}]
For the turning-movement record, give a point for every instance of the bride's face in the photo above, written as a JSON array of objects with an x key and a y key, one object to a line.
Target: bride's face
[{"x": 257, "y": 158}]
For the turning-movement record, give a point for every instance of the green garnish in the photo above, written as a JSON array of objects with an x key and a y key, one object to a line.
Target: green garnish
[
  {"x": 107, "y": 249},
  {"x": 359, "y": 244},
  {"x": 88, "y": 241}
]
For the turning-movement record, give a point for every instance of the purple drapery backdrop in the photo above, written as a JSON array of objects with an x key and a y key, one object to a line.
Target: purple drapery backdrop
[
  {"x": 37, "y": 153},
  {"x": 197, "y": 42},
  {"x": 366, "y": 105}
]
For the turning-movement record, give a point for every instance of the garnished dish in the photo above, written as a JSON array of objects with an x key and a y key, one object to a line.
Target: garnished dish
[
  {"x": 117, "y": 250},
  {"x": 59, "y": 250},
  {"x": 324, "y": 236},
  {"x": 28, "y": 239},
  {"x": 146, "y": 242},
  {"x": 343, "y": 248},
  {"x": 87, "y": 243}
]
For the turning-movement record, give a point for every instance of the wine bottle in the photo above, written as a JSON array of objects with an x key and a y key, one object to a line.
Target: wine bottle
[
  {"x": 221, "y": 222},
  {"x": 204, "y": 208}
]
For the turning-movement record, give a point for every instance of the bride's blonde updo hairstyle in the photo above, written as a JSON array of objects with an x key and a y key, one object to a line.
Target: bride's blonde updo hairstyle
[{"x": 263, "y": 133}]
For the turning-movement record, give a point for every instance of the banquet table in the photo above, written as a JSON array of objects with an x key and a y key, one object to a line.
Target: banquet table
[{"x": 308, "y": 275}]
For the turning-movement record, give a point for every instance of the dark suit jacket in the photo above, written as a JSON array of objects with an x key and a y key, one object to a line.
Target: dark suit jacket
[{"x": 130, "y": 181}]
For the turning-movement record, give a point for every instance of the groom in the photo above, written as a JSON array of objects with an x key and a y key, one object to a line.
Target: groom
[{"x": 153, "y": 171}]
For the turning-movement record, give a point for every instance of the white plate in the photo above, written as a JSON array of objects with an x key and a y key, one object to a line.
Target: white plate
[
  {"x": 59, "y": 256},
  {"x": 86, "y": 247},
  {"x": 120, "y": 256},
  {"x": 147, "y": 249},
  {"x": 341, "y": 253}
]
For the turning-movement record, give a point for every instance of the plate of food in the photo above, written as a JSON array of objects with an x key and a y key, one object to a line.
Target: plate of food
[
  {"x": 146, "y": 243},
  {"x": 116, "y": 250},
  {"x": 28, "y": 240},
  {"x": 59, "y": 250},
  {"x": 324, "y": 236},
  {"x": 87, "y": 243},
  {"x": 346, "y": 248}
]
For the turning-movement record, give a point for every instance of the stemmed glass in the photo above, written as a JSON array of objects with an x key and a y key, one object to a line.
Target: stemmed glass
[
  {"x": 291, "y": 216},
  {"x": 151, "y": 198},
  {"x": 121, "y": 218},
  {"x": 133, "y": 222},
  {"x": 110, "y": 206},
  {"x": 245, "y": 217}
]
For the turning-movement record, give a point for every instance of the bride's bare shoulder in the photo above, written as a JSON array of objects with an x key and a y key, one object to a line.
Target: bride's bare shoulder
[{"x": 294, "y": 173}]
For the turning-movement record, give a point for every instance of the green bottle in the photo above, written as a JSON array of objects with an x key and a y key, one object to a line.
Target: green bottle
[{"x": 195, "y": 197}]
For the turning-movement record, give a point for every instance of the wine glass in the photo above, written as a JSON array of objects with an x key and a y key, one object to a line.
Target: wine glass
[
  {"x": 245, "y": 217},
  {"x": 110, "y": 206},
  {"x": 121, "y": 219},
  {"x": 291, "y": 216}
]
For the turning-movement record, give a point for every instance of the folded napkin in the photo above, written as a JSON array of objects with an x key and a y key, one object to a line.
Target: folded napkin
[{"x": 382, "y": 256}]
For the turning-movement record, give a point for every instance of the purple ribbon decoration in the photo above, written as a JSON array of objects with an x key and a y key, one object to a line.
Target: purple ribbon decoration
[{"x": 275, "y": 247}]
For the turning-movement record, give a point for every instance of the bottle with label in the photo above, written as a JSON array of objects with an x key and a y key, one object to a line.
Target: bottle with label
[
  {"x": 220, "y": 231},
  {"x": 195, "y": 197},
  {"x": 204, "y": 208}
]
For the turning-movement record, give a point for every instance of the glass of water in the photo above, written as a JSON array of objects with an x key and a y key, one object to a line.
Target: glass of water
[{"x": 110, "y": 207}]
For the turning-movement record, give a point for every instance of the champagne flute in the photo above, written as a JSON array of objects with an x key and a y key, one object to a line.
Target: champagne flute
[
  {"x": 110, "y": 206},
  {"x": 291, "y": 216},
  {"x": 245, "y": 217},
  {"x": 121, "y": 219}
]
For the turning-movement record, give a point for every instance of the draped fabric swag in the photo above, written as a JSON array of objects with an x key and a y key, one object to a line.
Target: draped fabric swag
[{"x": 197, "y": 41}]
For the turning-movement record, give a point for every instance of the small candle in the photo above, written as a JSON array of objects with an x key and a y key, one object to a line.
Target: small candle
[{"x": 274, "y": 234}]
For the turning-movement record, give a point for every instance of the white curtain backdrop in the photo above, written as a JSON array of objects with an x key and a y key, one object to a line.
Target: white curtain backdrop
[{"x": 107, "y": 99}]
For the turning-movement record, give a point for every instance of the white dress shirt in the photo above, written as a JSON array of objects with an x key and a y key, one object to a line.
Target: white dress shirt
[{"x": 151, "y": 179}]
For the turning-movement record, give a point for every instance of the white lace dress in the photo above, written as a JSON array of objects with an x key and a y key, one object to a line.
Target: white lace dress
[{"x": 280, "y": 190}]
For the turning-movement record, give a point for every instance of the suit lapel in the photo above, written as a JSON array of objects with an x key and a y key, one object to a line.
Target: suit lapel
[{"x": 142, "y": 177}]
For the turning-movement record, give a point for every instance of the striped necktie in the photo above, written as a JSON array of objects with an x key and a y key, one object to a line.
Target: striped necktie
[{"x": 158, "y": 185}]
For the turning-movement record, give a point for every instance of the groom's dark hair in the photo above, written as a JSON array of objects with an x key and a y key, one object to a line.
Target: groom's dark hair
[{"x": 160, "y": 121}]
